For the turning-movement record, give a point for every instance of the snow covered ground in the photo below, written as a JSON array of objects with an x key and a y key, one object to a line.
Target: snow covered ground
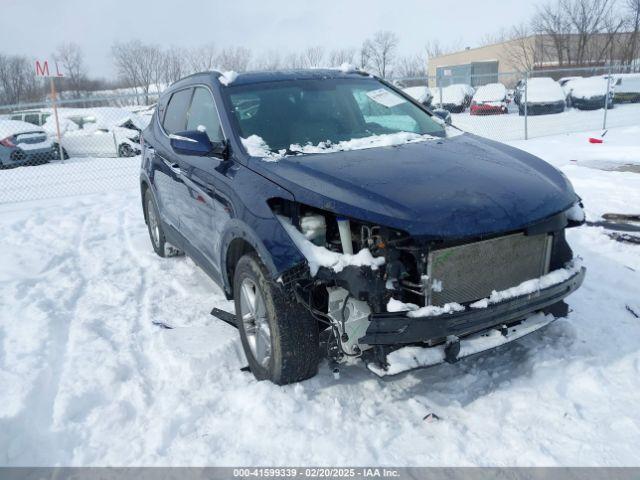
[{"x": 88, "y": 375}]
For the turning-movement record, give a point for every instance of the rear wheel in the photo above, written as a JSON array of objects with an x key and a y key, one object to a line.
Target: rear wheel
[
  {"x": 279, "y": 337},
  {"x": 156, "y": 232},
  {"x": 125, "y": 150}
]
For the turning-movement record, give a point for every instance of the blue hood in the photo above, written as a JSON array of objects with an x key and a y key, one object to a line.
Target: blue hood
[{"x": 452, "y": 188}]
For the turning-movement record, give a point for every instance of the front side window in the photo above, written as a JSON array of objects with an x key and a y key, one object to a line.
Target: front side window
[
  {"x": 203, "y": 115},
  {"x": 175, "y": 117},
  {"x": 301, "y": 112}
]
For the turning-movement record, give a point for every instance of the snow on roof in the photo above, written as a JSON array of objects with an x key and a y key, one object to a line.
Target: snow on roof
[
  {"x": 544, "y": 89},
  {"x": 588, "y": 87},
  {"x": 9, "y": 128},
  {"x": 227, "y": 78},
  {"x": 106, "y": 117},
  {"x": 420, "y": 93},
  {"x": 491, "y": 92}
]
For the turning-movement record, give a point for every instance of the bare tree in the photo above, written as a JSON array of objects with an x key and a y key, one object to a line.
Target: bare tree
[
  {"x": 522, "y": 50},
  {"x": 270, "y": 60},
  {"x": 342, "y": 55},
  {"x": 294, "y": 60},
  {"x": 139, "y": 65},
  {"x": 411, "y": 66},
  {"x": 234, "y": 58},
  {"x": 17, "y": 80},
  {"x": 175, "y": 65},
  {"x": 632, "y": 48},
  {"x": 202, "y": 58},
  {"x": 313, "y": 57},
  {"x": 70, "y": 58},
  {"x": 380, "y": 51}
]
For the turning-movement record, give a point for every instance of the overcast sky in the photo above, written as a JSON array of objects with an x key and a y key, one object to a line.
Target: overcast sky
[{"x": 35, "y": 27}]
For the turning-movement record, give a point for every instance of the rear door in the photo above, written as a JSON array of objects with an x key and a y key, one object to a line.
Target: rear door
[
  {"x": 168, "y": 176},
  {"x": 204, "y": 209}
]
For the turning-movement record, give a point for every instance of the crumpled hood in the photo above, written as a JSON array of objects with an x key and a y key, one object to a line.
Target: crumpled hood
[{"x": 452, "y": 188}]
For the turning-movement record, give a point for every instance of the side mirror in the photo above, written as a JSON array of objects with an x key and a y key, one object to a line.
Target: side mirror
[
  {"x": 443, "y": 114},
  {"x": 195, "y": 142}
]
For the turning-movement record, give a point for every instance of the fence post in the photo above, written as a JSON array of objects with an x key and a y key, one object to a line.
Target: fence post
[
  {"x": 526, "y": 116},
  {"x": 606, "y": 100}
]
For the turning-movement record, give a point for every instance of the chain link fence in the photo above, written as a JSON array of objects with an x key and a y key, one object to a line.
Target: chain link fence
[
  {"x": 97, "y": 147},
  {"x": 93, "y": 147},
  {"x": 518, "y": 106}
]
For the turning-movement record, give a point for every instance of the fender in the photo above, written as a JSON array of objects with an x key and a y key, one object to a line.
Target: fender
[{"x": 272, "y": 243}]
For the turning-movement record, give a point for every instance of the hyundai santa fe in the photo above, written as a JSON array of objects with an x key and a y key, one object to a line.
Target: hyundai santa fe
[{"x": 344, "y": 220}]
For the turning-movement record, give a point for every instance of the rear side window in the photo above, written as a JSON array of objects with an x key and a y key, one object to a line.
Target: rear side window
[
  {"x": 203, "y": 115},
  {"x": 175, "y": 117}
]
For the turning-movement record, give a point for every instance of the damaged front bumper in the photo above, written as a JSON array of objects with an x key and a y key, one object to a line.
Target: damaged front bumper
[{"x": 397, "y": 329}]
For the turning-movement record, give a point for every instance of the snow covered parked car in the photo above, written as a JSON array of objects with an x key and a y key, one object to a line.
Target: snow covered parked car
[
  {"x": 423, "y": 94},
  {"x": 627, "y": 87},
  {"x": 589, "y": 93},
  {"x": 489, "y": 99},
  {"x": 330, "y": 200},
  {"x": 544, "y": 96},
  {"x": 97, "y": 132},
  {"x": 454, "y": 98},
  {"x": 23, "y": 143}
]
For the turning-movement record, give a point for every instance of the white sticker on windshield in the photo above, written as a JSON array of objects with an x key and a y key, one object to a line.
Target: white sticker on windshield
[{"x": 385, "y": 97}]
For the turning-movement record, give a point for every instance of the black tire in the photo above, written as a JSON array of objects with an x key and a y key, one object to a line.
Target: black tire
[
  {"x": 294, "y": 336},
  {"x": 126, "y": 150},
  {"x": 56, "y": 152},
  {"x": 154, "y": 225}
]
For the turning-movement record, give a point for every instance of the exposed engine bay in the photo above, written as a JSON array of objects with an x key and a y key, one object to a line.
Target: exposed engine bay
[{"x": 416, "y": 272}]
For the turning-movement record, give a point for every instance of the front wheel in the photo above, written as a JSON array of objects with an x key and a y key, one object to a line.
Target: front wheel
[
  {"x": 156, "y": 232},
  {"x": 279, "y": 337}
]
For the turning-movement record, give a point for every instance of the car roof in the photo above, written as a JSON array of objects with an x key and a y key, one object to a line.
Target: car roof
[
  {"x": 15, "y": 127},
  {"x": 262, "y": 76}
]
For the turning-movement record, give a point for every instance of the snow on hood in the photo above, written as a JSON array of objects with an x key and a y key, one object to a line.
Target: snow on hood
[
  {"x": 544, "y": 89},
  {"x": 421, "y": 93},
  {"x": 321, "y": 257},
  {"x": 453, "y": 94},
  {"x": 492, "y": 92},
  {"x": 257, "y": 147},
  {"x": 589, "y": 87},
  {"x": 9, "y": 128}
]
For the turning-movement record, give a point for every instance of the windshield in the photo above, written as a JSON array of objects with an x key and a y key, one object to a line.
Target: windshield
[{"x": 310, "y": 112}]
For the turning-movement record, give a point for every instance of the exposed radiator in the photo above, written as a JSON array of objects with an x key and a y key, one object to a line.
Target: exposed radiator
[{"x": 469, "y": 272}]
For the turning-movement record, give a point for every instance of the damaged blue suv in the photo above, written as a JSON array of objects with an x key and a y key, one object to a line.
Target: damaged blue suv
[{"x": 336, "y": 210}]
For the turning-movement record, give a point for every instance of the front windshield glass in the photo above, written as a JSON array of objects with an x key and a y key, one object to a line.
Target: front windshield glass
[{"x": 288, "y": 115}]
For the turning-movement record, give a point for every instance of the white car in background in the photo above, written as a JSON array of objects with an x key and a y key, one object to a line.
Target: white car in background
[
  {"x": 453, "y": 98},
  {"x": 421, "y": 93},
  {"x": 97, "y": 132}
]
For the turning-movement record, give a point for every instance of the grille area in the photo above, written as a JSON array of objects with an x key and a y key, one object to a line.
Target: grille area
[{"x": 472, "y": 271}]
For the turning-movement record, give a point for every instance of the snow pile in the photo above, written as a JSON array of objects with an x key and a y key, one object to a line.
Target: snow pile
[
  {"x": 420, "y": 93},
  {"x": 9, "y": 128},
  {"x": 384, "y": 140},
  {"x": 66, "y": 125},
  {"x": 589, "y": 87},
  {"x": 530, "y": 286},
  {"x": 492, "y": 92},
  {"x": 227, "y": 78},
  {"x": 576, "y": 213},
  {"x": 257, "y": 147},
  {"x": 544, "y": 89},
  {"x": 408, "y": 358},
  {"x": 321, "y": 257},
  {"x": 347, "y": 67}
]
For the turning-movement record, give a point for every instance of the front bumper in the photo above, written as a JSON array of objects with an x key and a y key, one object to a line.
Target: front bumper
[{"x": 388, "y": 329}]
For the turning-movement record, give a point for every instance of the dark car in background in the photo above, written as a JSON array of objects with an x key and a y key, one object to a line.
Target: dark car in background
[
  {"x": 23, "y": 143},
  {"x": 591, "y": 93},
  {"x": 330, "y": 201},
  {"x": 543, "y": 96}
]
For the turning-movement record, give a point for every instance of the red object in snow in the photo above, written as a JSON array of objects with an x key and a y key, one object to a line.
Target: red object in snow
[{"x": 595, "y": 140}]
